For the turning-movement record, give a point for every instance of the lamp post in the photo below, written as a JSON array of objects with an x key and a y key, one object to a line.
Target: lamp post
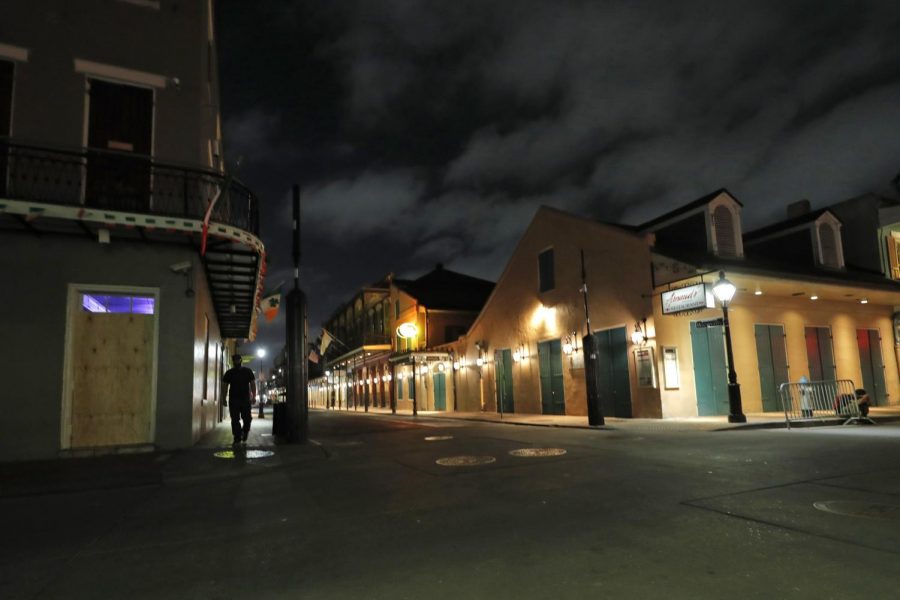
[
  {"x": 261, "y": 353},
  {"x": 724, "y": 291}
]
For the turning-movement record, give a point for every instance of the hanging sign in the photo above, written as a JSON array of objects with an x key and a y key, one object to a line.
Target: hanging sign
[{"x": 692, "y": 297}]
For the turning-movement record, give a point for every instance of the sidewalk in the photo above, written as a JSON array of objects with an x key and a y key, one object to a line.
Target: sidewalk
[
  {"x": 773, "y": 420},
  {"x": 212, "y": 458}
]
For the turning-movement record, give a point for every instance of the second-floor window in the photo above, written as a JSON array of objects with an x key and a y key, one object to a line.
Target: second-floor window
[{"x": 546, "y": 276}]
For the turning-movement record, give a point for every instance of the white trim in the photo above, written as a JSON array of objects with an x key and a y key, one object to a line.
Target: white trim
[
  {"x": 75, "y": 289},
  {"x": 14, "y": 52},
  {"x": 120, "y": 74}
]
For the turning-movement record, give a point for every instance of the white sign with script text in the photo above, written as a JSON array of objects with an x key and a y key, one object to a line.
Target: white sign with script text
[{"x": 692, "y": 297}]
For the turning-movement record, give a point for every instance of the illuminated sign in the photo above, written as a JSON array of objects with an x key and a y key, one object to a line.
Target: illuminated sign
[
  {"x": 692, "y": 297},
  {"x": 407, "y": 330}
]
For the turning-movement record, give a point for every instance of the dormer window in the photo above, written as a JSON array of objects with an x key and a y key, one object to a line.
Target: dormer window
[
  {"x": 725, "y": 227},
  {"x": 828, "y": 243}
]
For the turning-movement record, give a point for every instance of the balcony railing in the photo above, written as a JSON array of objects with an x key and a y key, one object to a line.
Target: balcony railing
[{"x": 122, "y": 181}]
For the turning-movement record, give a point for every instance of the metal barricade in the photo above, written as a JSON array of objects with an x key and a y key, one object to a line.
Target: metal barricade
[{"x": 820, "y": 401}]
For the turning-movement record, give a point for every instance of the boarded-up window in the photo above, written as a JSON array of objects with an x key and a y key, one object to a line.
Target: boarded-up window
[
  {"x": 828, "y": 241},
  {"x": 723, "y": 221}
]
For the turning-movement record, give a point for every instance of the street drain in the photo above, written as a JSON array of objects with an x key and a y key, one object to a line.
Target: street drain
[
  {"x": 465, "y": 461},
  {"x": 244, "y": 454},
  {"x": 438, "y": 438},
  {"x": 853, "y": 508},
  {"x": 537, "y": 452}
]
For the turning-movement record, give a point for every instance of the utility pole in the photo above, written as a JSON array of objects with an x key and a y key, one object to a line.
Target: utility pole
[
  {"x": 591, "y": 359},
  {"x": 297, "y": 429}
]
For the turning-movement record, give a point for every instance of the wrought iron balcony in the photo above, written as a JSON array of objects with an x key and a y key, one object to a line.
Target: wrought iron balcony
[{"x": 122, "y": 181}]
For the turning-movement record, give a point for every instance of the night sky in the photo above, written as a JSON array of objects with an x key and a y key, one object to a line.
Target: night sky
[{"x": 430, "y": 131}]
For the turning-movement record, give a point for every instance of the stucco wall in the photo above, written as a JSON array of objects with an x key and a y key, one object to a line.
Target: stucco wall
[
  {"x": 37, "y": 272},
  {"x": 618, "y": 276},
  {"x": 205, "y": 409},
  {"x": 49, "y": 102},
  {"x": 794, "y": 314}
]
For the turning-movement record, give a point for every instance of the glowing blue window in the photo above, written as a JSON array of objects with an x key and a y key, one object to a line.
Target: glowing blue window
[{"x": 116, "y": 303}]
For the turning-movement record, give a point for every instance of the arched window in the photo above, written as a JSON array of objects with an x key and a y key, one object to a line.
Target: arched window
[
  {"x": 723, "y": 223},
  {"x": 828, "y": 242}
]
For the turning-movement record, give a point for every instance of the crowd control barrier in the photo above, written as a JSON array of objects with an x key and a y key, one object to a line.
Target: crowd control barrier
[{"x": 820, "y": 401}]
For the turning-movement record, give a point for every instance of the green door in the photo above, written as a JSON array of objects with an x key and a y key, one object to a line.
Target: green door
[
  {"x": 613, "y": 377},
  {"x": 819, "y": 354},
  {"x": 440, "y": 391},
  {"x": 872, "y": 364},
  {"x": 553, "y": 399},
  {"x": 772, "y": 362},
  {"x": 503, "y": 366},
  {"x": 710, "y": 370}
]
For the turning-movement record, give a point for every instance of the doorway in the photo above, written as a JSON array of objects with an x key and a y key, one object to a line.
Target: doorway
[
  {"x": 820, "y": 354},
  {"x": 119, "y": 146},
  {"x": 440, "y": 391},
  {"x": 110, "y": 389},
  {"x": 771, "y": 358},
  {"x": 503, "y": 364},
  {"x": 614, "y": 383},
  {"x": 710, "y": 370},
  {"x": 553, "y": 400},
  {"x": 872, "y": 364}
]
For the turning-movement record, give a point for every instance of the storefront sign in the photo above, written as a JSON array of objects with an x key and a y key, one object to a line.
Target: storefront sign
[
  {"x": 711, "y": 323},
  {"x": 693, "y": 297},
  {"x": 407, "y": 330}
]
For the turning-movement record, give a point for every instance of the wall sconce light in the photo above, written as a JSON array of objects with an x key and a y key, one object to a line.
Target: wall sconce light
[
  {"x": 517, "y": 355},
  {"x": 639, "y": 336},
  {"x": 456, "y": 365},
  {"x": 423, "y": 370},
  {"x": 441, "y": 367},
  {"x": 479, "y": 362},
  {"x": 864, "y": 301}
]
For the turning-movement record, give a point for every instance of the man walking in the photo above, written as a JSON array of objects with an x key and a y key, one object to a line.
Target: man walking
[{"x": 241, "y": 384}]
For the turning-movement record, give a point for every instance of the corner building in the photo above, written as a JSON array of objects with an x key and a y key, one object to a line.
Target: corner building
[{"x": 117, "y": 327}]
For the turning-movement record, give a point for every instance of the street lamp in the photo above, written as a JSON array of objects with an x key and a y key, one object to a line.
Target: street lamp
[
  {"x": 261, "y": 353},
  {"x": 724, "y": 291}
]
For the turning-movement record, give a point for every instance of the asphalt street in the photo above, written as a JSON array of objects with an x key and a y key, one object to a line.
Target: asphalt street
[{"x": 395, "y": 507}]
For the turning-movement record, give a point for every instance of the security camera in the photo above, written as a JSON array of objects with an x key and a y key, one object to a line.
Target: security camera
[{"x": 182, "y": 267}]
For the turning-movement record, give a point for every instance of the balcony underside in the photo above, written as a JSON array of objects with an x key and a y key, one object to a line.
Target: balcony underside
[{"x": 232, "y": 261}]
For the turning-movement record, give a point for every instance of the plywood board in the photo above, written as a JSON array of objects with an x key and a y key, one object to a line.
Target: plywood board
[{"x": 112, "y": 361}]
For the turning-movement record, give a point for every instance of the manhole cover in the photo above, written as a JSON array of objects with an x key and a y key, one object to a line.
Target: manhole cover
[
  {"x": 438, "y": 438},
  {"x": 244, "y": 453},
  {"x": 465, "y": 461},
  {"x": 537, "y": 452},
  {"x": 852, "y": 508}
]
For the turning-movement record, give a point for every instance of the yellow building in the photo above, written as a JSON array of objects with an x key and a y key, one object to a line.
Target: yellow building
[{"x": 799, "y": 310}]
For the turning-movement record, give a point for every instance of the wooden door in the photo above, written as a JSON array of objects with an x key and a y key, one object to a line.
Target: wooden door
[
  {"x": 710, "y": 369},
  {"x": 820, "y": 354},
  {"x": 112, "y": 375},
  {"x": 503, "y": 368},
  {"x": 771, "y": 359},
  {"x": 553, "y": 401},
  {"x": 440, "y": 391},
  {"x": 613, "y": 376}
]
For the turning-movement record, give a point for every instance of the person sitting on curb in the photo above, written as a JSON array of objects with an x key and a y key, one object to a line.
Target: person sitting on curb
[{"x": 863, "y": 401}]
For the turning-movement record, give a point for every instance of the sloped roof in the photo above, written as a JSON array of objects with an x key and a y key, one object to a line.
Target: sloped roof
[
  {"x": 443, "y": 289},
  {"x": 701, "y": 201},
  {"x": 786, "y": 224}
]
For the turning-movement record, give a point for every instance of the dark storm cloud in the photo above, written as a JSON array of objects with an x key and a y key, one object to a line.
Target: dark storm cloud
[{"x": 432, "y": 130}]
